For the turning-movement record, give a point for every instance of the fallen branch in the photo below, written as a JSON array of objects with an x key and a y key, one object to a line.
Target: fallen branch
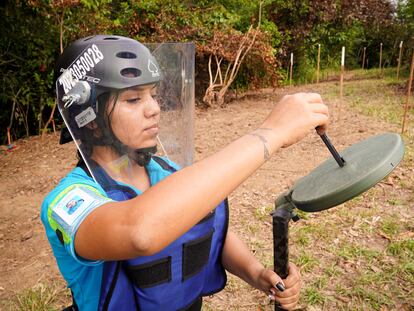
[
  {"x": 215, "y": 92},
  {"x": 52, "y": 113}
]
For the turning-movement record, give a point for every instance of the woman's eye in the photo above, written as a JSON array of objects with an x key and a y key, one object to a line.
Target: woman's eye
[{"x": 133, "y": 100}]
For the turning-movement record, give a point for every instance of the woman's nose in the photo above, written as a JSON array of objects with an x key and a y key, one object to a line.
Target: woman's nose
[{"x": 151, "y": 108}]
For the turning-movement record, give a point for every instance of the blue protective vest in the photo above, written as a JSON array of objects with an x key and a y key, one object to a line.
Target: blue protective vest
[{"x": 177, "y": 277}]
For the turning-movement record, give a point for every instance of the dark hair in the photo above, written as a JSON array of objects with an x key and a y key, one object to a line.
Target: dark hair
[{"x": 102, "y": 135}]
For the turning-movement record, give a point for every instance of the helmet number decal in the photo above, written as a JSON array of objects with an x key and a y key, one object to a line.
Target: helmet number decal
[{"x": 80, "y": 67}]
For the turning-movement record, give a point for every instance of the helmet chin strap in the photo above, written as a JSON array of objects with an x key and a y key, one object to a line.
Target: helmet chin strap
[{"x": 143, "y": 156}]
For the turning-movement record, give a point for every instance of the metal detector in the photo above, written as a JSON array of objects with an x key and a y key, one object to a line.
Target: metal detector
[{"x": 335, "y": 181}]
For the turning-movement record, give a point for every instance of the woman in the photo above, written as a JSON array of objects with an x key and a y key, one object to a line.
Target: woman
[{"x": 147, "y": 235}]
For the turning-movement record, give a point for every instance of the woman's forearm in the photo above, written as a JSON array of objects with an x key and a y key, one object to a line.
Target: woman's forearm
[{"x": 239, "y": 260}]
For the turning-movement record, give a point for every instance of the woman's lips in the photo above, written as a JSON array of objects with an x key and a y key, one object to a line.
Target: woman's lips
[{"x": 153, "y": 130}]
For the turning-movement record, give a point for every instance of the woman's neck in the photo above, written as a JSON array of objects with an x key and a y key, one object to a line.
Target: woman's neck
[{"x": 121, "y": 167}]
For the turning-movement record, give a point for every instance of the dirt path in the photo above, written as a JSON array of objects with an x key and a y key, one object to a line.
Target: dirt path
[{"x": 35, "y": 167}]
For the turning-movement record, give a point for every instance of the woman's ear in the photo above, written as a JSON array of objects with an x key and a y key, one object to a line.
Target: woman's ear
[
  {"x": 97, "y": 132},
  {"x": 92, "y": 125}
]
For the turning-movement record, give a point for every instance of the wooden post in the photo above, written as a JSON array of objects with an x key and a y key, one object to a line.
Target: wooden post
[
  {"x": 380, "y": 60},
  {"x": 291, "y": 69},
  {"x": 288, "y": 71},
  {"x": 363, "y": 57},
  {"x": 8, "y": 137},
  {"x": 410, "y": 83},
  {"x": 399, "y": 60},
  {"x": 54, "y": 127},
  {"x": 342, "y": 73},
  {"x": 341, "y": 82},
  {"x": 319, "y": 63}
]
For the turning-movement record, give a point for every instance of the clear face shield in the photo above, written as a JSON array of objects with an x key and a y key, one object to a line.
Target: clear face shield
[
  {"x": 114, "y": 126},
  {"x": 176, "y": 100}
]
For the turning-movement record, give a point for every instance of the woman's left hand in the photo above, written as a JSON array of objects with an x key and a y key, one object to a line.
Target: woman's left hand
[{"x": 288, "y": 298}]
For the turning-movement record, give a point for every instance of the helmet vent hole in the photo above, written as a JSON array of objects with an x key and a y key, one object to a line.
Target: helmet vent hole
[
  {"x": 130, "y": 72},
  {"x": 128, "y": 55},
  {"x": 111, "y": 38},
  {"x": 88, "y": 38}
]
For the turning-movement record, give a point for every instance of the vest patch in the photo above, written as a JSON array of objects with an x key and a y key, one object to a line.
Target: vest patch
[
  {"x": 195, "y": 255},
  {"x": 73, "y": 207},
  {"x": 152, "y": 273}
]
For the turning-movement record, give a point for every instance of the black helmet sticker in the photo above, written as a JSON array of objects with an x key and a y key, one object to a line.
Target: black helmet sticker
[{"x": 78, "y": 70}]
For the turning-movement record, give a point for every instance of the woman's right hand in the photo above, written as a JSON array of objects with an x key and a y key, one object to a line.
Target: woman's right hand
[{"x": 294, "y": 116}]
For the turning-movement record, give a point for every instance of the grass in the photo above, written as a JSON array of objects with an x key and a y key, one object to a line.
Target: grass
[
  {"x": 262, "y": 213},
  {"x": 306, "y": 262},
  {"x": 402, "y": 249},
  {"x": 363, "y": 96},
  {"x": 313, "y": 296},
  {"x": 391, "y": 227},
  {"x": 376, "y": 277},
  {"x": 333, "y": 270},
  {"x": 332, "y": 73},
  {"x": 356, "y": 252},
  {"x": 41, "y": 297},
  {"x": 302, "y": 238}
]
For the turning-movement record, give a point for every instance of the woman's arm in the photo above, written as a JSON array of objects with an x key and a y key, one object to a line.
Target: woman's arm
[
  {"x": 151, "y": 221},
  {"x": 238, "y": 260}
]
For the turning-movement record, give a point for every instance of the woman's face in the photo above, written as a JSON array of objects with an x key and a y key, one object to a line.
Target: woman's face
[{"x": 135, "y": 116}]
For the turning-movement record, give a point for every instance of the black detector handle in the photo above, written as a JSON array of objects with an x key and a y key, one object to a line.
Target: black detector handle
[
  {"x": 332, "y": 150},
  {"x": 281, "y": 217}
]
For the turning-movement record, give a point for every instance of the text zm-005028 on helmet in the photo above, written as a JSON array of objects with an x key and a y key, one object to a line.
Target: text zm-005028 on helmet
[{"x": 80, "y": 67}]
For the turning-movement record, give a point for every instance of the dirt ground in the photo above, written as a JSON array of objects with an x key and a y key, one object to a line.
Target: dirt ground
[{"x": 32, "y": 169}]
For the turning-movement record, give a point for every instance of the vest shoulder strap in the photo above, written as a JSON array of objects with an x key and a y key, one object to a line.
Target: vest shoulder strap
[
  {"x": 164, "y": 164},
  {"x": 83, "y": 166}
]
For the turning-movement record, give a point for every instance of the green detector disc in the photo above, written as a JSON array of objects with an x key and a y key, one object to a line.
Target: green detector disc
[{"x": 366, "y": 163}]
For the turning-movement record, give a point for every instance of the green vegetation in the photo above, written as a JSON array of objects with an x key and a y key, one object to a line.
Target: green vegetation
[
  {"x": 262, "y": 213},
  {"x": 306, "y": 262},
  {"x": 32, "y": 32},
  {"x": 313, "y": 296},
  {"x": 355, "y": 252},
  {"x": 41, "y": 297}
]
